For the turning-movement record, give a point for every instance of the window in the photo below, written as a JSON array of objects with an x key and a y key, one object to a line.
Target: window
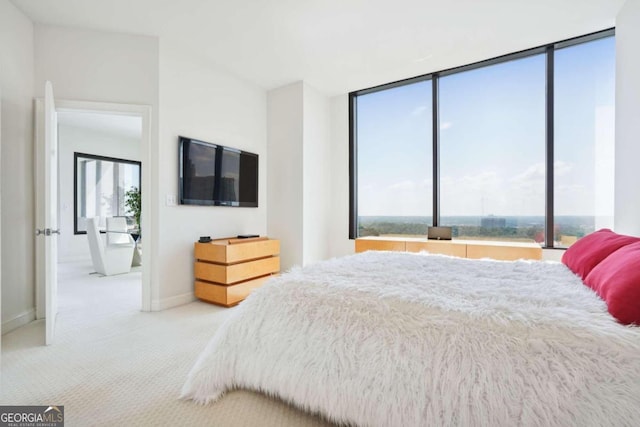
[
  {"x": 101, "y": 184},
  {"x": 394, "y": 163},
  {"x": 522, "y": 150},
  {"x": 584, "y": 139},
  {"x": 492, "y": 151}
]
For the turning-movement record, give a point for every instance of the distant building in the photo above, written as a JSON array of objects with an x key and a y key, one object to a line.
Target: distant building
[{"x": 493, "y": 222}]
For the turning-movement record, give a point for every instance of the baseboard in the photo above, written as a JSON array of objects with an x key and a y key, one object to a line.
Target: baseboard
[
  {"x": 20, "y": 320},
  {"x": 165, "y": 303}
]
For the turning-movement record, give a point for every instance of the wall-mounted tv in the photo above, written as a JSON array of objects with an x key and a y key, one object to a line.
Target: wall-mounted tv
[{"x": 215, "y": 175}]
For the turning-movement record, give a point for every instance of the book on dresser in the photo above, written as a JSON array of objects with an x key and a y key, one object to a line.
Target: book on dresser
[{"x": 227, "y": 270}]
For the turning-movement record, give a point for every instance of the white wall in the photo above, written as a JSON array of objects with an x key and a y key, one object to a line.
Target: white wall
[
  {"x": 627, "y": 157},
  {"x": 198, "y": 99},
  {"x": 285, "y": 171},
  {"x": 97, "y": 66},
  {"x": 300, "y": 173},
  {"x": 105, "y": 67},
  {"x": 73, "y": 139},
  {"x": 339, "y": 201},
  {"x": 203, "y": 101},
  {"x": 604, "y": 151},
  {"x": 16, "y": 81},
  {"x": 317, "y": 172},
  {"x": 552, "y": 254}
]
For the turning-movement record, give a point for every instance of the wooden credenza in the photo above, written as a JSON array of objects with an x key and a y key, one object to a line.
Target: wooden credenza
[
  {"x": 476, "y": 249},
  {"x": 227, "y": 270}
]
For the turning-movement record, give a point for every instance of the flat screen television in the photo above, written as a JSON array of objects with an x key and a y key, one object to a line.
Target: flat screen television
[{"x": 215, "y": 175}]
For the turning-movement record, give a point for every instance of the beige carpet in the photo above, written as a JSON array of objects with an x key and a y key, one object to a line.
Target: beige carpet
[{"x": 114, "y": 365}]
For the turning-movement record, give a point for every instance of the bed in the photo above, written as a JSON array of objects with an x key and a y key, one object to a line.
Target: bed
[{"x": 402, "y": 339}]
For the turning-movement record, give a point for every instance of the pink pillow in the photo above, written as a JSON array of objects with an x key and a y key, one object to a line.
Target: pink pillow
[
  {"x": 586, "y": 253},
  {"x": 617, "y": 281}
]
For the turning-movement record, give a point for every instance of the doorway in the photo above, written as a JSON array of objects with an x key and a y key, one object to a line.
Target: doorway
[
  {"x": 78, "y": 118},
  {"x": 99, "y": 173}
]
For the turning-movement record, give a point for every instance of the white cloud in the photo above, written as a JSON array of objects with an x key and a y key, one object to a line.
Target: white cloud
[
  {"x": 403, "y": 185},
  {"x": 418, "y": 111},
  {"x": 562, "y": 168},
  {"x": 538, "y": 171},
  {"x": 532, "y": 173},
  {"x": 409, "y": 185},
  {"x": 484, "y": 193},
  {"x": 406, "y": 197},
  {"x": 574, "y": 199},
  {"x": 446, "y": 125},
  {"x": 477, "y": 194},
  {"x": 571, "y": 189}
]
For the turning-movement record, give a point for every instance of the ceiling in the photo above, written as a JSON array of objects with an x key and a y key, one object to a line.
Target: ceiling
[{"x": 336, "y": 46}]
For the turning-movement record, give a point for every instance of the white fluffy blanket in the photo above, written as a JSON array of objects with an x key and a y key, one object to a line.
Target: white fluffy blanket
[{"x": 399, "y": 339}]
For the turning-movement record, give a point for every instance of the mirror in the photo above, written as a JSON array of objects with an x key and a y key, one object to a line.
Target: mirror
[{"x": 101, "y": 188}]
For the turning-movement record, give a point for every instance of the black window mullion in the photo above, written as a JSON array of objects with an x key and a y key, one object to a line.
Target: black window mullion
[
  {"x": 435, "y": 95},
  {"x": 353, "y": 167},
  {"x": 549, "y": 125}
]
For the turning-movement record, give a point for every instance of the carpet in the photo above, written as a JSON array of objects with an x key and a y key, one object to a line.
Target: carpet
[{"x": 113, "y": 365}]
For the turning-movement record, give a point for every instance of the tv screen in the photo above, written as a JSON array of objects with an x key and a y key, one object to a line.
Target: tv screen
[{"x": 215, "y": 175}]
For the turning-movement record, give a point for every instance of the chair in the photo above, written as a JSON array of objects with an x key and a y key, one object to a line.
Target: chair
[
  {"x": 118, "y": 233},
  {"x": 110, "y": 258}
]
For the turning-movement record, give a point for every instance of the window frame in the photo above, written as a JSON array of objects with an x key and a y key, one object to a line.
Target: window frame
[
  {"x": 77, "y": 155},
  {"x": 548, "y": 50}
]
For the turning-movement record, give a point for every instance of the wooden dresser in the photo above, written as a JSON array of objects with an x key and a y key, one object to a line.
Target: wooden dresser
[
  {"x": 227, "y": 270},
  {"x": 508, "y": 251}
]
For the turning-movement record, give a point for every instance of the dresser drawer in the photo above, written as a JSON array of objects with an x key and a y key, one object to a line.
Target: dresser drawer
[
  {"x": 219, "y": 251},
  {"x": 233, "y": 273},
  {"x": 227, "y": 295}
]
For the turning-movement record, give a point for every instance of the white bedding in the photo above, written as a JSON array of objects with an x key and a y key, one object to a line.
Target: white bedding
[{"x": 399, "y": 339}]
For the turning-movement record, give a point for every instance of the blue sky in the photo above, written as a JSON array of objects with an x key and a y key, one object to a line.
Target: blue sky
[{"x": 492, "y": 123}]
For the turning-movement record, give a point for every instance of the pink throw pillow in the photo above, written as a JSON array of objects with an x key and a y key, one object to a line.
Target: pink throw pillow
[
  {"x": 617, "y": 281},
  {"x": 586, "y": 253}
]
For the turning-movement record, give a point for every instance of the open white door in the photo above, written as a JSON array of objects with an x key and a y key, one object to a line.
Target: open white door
[
  {"x": 47, "y": 199},
  {"x": 0, "y": 223}
]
